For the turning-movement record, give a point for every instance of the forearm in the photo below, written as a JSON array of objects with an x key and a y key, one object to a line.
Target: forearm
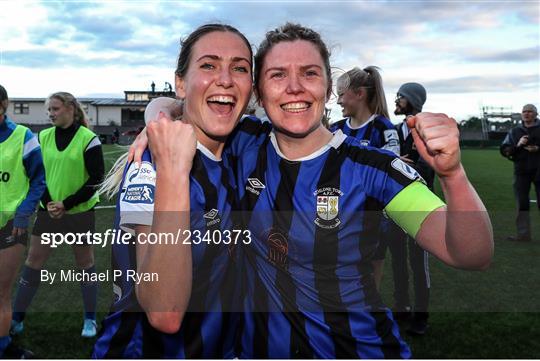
[
  {"x": 166, "y": 301},
  {"x": 468, "y": 231},
  {"x": 36, "y": 173}
]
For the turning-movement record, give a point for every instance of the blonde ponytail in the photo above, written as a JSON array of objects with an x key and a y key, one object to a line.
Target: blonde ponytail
[
  {"x": 369, "y": 79},
  {"x": 111, "y": 185}
]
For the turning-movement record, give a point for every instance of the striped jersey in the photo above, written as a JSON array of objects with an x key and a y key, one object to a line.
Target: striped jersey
[
  {"x": 208, "y": 327},
  {"x": 378, "y": 132},
  {"x": 308, "y": 284}
]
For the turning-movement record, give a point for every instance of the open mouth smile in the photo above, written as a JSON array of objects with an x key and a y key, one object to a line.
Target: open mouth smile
[{"x": 221, "y": 104}]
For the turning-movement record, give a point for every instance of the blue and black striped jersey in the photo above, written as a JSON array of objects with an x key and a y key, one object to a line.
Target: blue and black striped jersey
[
  {"x": 209, "y": 325},
  {"x": 378, "y": 132},
  {"x": 308, "y": 285}
]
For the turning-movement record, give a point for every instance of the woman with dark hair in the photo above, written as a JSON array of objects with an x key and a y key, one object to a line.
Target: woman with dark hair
[
  {"x": 73, "y": 161},
  {"x": 22, "y": 182},
  {"x": 182, "y": 186}
]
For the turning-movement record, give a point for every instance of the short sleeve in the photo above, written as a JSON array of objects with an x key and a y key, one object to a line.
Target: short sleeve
[{"x": 137, "y": 195}]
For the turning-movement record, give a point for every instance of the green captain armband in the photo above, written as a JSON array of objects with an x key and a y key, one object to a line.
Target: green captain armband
[{"x": 410, "y": 207}]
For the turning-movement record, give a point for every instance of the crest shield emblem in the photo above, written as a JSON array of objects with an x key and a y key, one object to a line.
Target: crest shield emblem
[{"x": 327, "y": 200}]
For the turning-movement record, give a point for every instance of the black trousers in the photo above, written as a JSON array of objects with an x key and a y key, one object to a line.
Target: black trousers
[
  {"x": 522, "y": 188},
  {"x": 399, "y": 244}
]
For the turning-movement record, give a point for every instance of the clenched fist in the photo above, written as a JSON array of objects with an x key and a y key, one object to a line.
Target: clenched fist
[
  {"x": 437, "y": 140},
  {"x": 172, "y": 143}
]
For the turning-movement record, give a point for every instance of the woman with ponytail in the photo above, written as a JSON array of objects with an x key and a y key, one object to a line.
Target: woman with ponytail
[
  {"x": 74, "y": 167},
  {"x": 361, "y": 95}
]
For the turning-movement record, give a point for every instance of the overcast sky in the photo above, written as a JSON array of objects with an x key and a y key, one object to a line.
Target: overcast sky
[{"x": 466, "y": 53}]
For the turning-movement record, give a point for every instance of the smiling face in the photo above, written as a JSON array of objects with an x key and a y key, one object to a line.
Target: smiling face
[
  {"x": 217, "y": 85},
  {"x": 350, "y": 101},
  {"x": 294, "y": 86},
  {"x": 61, "y": 115}
]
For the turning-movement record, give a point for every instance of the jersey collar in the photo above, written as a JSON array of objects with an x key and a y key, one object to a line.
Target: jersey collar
[
  {"x": 337, "y": 139},
  {"x": 207, "y": 152},
  {"x": 371, "y": 118}
]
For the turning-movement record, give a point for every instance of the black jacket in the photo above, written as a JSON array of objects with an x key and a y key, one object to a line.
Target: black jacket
[
  {"x": 524, "y": 161},
  {"x": 420, "y": 165}
]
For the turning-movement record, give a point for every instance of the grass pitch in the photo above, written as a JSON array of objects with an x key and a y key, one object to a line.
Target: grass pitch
[{"x": 491, "y": 314}]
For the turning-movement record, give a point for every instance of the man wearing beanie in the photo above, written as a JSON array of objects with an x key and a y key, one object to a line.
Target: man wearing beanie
[
  {"x": 409, "y": 101},
  {"x": 521, "y": 146}
]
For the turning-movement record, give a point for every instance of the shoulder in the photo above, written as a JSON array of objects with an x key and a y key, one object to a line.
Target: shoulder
[
  {"x": 28, "y": 134},
  {"x": 251, "y": 131},
  {"x": 46, "y": 132},
  {"x": 252, "y": 125},
  {"x": 87, "y": 132},
  {"x": 383, "y": 123},
  {"x": 372, "y": 159},
  {"x": 340, "y": 124},
  {"x": 365, "y": 155},
  {"x": 31, "y": 142}
]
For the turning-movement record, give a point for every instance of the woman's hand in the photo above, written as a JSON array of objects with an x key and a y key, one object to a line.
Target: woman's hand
[
  {"x": 136, "y": 149},
  {"x": 56, "y": 209},
  {"x": 437, "y": 140},
  {"x": 172, "y": 144}
]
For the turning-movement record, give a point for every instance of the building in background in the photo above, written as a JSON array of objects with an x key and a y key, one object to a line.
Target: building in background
[{"x": 104, "y": 114}]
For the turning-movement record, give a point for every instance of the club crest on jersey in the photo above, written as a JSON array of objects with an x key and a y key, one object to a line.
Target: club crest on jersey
[
  {"x": 327, "y": 207},
  {"x": 278, "y": 249}
]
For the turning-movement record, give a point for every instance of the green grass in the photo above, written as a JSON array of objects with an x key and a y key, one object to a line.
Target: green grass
[{"x": 491, "y": 314}]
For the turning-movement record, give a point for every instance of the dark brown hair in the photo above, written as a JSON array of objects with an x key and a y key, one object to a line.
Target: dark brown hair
[
  {"x": 186, "y": 45},
  {"x": 291, "y": 32},
  {"x": 4, "y": 101}
]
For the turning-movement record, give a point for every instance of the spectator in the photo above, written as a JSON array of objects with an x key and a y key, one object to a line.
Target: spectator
[
  {"x": 409, "y": 101},
  {"x": 521, "y": 147}
]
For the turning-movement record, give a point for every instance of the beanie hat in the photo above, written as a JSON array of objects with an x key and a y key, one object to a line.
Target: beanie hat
[
  {"x": 414, "y": 93},
  {"x": 530, "y": 107}
]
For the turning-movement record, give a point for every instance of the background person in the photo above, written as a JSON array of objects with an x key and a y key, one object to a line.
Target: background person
[
  {"x": 521, "y": 145},
  {"x": 361, "y": 95},
  {"x": 74, "y": 167},
  {"x": 409, "y": 101},
  {"x": 22, "y": 182}
]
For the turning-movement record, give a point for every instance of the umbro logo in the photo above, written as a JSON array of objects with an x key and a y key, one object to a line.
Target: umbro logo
[
  {"x": 254, "y": 185},
  {"x": 212, "y": 217},
  {"x": 211, "y": 214}
]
